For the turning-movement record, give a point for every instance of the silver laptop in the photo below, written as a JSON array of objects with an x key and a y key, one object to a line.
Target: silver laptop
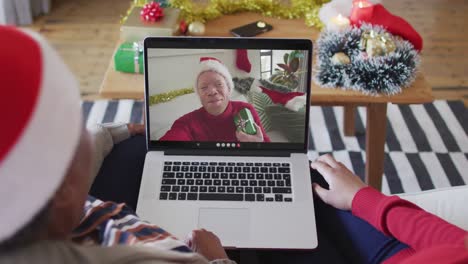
[{"x": 227, "y": 127}]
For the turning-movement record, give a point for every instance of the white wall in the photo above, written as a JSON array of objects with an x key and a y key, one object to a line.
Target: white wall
[{"x": 173, "y": 69}]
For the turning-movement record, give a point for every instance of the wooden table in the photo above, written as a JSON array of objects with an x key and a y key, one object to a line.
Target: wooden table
[{"x": 131, "y": 86}]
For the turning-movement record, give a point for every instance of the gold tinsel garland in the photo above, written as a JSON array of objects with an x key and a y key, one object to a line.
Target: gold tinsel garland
[
  {"x": 190, "y": 11},
  {"x": 307, "y": 9},
  {"x": 166, "y": 97}
]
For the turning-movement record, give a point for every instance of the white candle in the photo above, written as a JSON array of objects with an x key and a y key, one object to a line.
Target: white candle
[{"x": 338, "y": 23}]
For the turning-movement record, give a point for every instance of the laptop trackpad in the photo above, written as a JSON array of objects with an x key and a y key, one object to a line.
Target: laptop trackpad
[{"x": 227, "y": 224}]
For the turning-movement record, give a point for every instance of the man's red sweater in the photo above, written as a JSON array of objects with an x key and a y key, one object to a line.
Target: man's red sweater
[
  {"x": 431, "y": 239},
  {"x": 199, "y": 125}
]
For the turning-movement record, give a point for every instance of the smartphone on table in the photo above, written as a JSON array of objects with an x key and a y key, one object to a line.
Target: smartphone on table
[{"x": 252, "y": 29}]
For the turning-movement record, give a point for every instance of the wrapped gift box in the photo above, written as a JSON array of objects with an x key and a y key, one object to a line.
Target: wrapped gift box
[
  {"x": 135, "y": 29},
  {"x": 244, "y": 122},
  {"x": 129, "y": 58}
]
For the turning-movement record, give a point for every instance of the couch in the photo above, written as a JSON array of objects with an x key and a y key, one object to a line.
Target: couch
[{"x": 451, "y": 204}]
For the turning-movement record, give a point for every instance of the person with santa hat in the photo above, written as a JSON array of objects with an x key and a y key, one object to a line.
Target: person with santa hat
[
  {"x": 47, "y": 162},
  {"x": 214, "y": 121}
]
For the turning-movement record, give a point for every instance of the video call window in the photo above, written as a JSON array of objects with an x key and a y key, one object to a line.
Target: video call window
[{"x": 227, "y": 95}]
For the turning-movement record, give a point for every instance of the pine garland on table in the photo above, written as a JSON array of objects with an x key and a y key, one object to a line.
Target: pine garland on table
[{"x": 387, "y": 74}]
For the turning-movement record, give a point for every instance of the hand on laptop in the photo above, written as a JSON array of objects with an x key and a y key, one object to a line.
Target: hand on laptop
[
  {"x": 136, "y": 129},
  {"x": 343, "y": 183},
  {"x": 207, "y": 244},
  {"x": 243, "y": 137}
]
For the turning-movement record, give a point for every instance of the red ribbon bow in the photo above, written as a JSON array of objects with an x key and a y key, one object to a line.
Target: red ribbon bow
[{"x": 152, "y": 12}]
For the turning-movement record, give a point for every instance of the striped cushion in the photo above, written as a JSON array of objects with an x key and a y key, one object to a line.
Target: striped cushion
[
  {"x": 260, "y": 101},
  {"x": 290, "y": 123}
]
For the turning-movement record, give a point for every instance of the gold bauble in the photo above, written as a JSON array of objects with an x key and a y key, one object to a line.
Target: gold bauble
[
  {"x": 340, "y": 58},
  {"x": 377, "y": 44},
  {"x": 196, "y": 28}
]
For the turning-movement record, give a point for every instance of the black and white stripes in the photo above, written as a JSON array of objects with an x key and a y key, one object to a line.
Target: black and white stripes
[
  {"x": 426, "y": 145},
  {"x": 103, "y": 111}
]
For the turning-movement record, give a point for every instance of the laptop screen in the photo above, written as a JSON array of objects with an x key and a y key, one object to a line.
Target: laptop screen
[{"x": 224, "y": 94}]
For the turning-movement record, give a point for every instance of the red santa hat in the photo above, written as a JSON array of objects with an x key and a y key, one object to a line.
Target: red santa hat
[
  {"x": 215, "y": 65},
  {"x": 41, "y": 126}
]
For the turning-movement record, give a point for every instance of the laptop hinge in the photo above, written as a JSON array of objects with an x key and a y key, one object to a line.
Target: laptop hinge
[{"x": 199, "y": 152}]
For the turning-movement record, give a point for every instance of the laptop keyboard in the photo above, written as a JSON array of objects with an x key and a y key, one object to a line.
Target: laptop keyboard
[{"x": 226, "y": 181}]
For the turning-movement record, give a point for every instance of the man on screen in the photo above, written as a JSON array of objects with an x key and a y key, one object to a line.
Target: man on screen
[{"x": 216, "y": 119}]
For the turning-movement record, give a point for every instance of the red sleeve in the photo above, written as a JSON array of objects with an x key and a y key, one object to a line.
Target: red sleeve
[
  {"x": 179, "y": 132},
  {"x": 405, "y": 221},
  {"x": 439, "y": 254},
  {"x": 258, "y": 122}
]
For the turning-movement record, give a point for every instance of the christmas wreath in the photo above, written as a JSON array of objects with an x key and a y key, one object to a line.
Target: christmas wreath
[{"x": 366, "y": 59}]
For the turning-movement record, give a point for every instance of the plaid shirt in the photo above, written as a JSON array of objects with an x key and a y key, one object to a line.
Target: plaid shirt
[{"x": 109, "y": 224}]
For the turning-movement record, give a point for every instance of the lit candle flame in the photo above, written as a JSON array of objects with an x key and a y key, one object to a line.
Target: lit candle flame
[{"x": 339, "y": 22}]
